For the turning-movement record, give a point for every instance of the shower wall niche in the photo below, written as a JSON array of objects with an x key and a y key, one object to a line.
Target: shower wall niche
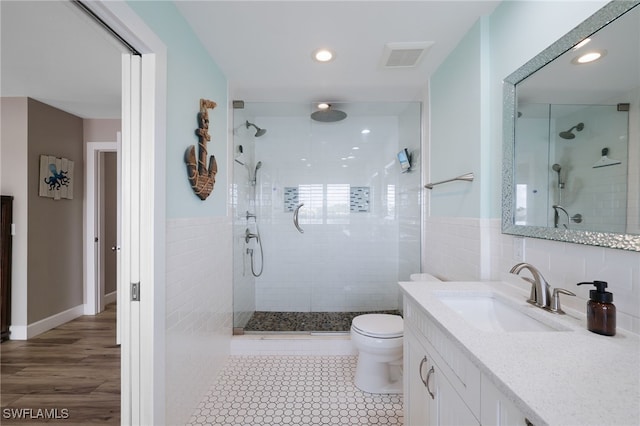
[{"x": 358, "y": 213}]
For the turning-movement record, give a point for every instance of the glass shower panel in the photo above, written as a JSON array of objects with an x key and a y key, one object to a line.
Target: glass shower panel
[{"x": 358, "y": 214}]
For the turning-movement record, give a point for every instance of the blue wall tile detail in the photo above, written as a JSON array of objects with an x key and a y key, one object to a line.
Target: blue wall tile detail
[
  {"x": 359, "y": 199},
  {"x": 290, "y": 198}
]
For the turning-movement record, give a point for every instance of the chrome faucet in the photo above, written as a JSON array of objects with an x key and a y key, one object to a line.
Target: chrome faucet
[
  {"x": 540, "y": 294},
  {"x": 540, "y": 289}
]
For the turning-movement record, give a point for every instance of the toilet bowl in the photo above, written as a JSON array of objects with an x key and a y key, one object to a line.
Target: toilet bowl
[{"x": 378, "y": 338}]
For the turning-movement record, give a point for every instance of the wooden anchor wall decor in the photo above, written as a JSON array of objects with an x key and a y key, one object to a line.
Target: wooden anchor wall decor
[{"x": 202, "y": 178}]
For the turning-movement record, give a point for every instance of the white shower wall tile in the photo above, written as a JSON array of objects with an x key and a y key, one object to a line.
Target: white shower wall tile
[{"x": 198, "y": 309}]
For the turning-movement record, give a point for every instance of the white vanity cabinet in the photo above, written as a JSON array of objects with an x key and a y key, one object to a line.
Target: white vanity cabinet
[
  {"x": 433, "y": 400},
  {"x": 497, "y": 410},
  {"x": 431, "y": 397}
]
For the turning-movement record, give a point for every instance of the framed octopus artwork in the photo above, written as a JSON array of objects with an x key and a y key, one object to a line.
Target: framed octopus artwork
[{"x": 56, "y": 177}]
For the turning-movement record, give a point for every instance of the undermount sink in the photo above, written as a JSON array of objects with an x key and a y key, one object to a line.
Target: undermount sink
[{"x": 488, "y": 313}]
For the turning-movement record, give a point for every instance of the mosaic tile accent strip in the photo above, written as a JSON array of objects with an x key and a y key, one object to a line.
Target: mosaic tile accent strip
[
  {"x": 294, "y": 390},
  {"x": 263, "y": 322},
  {"x": 291, "y": 198},
  {"x": 359, "y": 199}
]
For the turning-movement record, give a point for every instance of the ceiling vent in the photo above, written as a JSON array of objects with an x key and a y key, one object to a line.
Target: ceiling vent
[{"x": 404, "y": 55}]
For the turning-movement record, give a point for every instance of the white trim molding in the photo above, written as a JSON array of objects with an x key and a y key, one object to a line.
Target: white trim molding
[{"x": 21, "y": 332}]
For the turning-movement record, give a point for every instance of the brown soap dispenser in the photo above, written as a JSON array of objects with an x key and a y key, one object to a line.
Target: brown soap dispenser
[{"x": 601, "y": 312}]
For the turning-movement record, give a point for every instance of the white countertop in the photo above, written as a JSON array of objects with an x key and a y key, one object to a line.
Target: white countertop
[{"x": 570, "y": 377}]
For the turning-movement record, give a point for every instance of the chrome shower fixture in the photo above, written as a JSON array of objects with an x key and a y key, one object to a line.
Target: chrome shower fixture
[
  {"x": 328, "y": 115},
  {"x": 255, "y": 173},
  {"x": 569, "y": 133},
  {"x": 240, "y": 154},
  {"x": 259, "y": 131},
  {"x": 556, "y": 168}
]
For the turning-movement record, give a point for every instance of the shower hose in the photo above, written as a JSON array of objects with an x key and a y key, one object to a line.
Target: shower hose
[{"x": 253, "y": 267}]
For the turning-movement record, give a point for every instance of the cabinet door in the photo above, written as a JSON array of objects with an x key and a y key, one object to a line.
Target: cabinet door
[
  {"x": 497, "y": 409},
  {"x": 415, "y": 369},
  {"x": 450, "y": 409}
]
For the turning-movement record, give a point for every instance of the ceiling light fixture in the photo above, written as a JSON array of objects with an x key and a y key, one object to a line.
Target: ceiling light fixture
[
  {"x": 365, "y": 131},
  {"x": 323, "y": 55},
  {"x": 589, "y": 57},
  {"x": 323, "y": 105},
  {"x": 581, "y": 44}
]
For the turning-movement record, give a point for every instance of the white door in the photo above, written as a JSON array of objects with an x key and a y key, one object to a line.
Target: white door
[
  {"x": 130, "y": 241},
  {"x": 137, "y": 251}
]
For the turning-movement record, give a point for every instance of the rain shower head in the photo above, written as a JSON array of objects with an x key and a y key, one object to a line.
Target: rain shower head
[
  {"x": 328, "y": 115},
  {"x": 259, "y": 131},
  {"x": 569, "y": 133}
]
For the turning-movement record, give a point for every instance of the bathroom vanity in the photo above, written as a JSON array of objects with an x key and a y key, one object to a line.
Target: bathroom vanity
[{"x": 475, "y": 353}]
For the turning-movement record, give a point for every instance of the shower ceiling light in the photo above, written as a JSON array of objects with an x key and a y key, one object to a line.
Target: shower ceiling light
[
  {"x": 589, "y": 57},
  {"x": 323, "y": 105},
  {"x": 323, "y": 55},
  {"x": 365, "y": 131}
]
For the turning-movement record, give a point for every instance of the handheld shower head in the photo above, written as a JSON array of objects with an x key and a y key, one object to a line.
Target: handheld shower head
[
  {"x": 255, "y": 173},
  {"x": 569, "y": 133},
  {"x": 556, "y": 168},
  {"x": 259, "y": 131}
]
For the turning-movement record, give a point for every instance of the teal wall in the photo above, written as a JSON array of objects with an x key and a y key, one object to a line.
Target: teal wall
[
  {"x": 466, "y": 99},
  {"x": 191, "y": 75},
  {"x": 456, "y": 141}
]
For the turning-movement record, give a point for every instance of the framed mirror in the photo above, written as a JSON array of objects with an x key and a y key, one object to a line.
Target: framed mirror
[{"x": 571, "y": 153}]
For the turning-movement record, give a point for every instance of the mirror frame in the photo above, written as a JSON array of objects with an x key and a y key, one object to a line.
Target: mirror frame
[{"x": 594, "y": 23}]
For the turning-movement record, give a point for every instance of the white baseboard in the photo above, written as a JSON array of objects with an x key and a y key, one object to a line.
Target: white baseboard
[
  {"x": 110, "y": 298},
  {"x": 22, "y": 332}
]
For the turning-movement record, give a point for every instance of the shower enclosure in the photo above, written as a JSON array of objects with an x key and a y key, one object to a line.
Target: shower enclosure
[
  {"x": 572, "y": 167},
  {"x": 329, "y": 216}
]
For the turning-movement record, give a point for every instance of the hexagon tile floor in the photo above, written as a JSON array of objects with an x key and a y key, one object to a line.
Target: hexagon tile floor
[{"x": 293, "y": 390}]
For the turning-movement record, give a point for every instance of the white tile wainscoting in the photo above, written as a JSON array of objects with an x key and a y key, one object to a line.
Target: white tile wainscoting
[{"x": 198, "y": 309}]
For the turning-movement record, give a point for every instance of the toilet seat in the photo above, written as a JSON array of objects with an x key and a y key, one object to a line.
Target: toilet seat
[{"x": 381, "y": 326}]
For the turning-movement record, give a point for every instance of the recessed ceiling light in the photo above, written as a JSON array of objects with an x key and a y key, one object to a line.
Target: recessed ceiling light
[
  {"x": 581, "y": 44},
  {"x": 589, "y": 57},
  {"x": 323, "y": 55},
  {"x": 365, "y": 131},
  {"x": 323, "y": 105},
  {"x": 355, "y": 147}
]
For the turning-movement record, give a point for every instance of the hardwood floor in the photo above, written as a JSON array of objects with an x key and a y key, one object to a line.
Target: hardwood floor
[{"x": 69, "y": 375}]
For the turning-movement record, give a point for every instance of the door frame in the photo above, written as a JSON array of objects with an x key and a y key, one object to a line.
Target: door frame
[{"x": 93, "y": 300}]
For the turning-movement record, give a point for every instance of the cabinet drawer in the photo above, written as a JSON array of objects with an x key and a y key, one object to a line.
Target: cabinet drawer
[{"x": 463, "y": 375}]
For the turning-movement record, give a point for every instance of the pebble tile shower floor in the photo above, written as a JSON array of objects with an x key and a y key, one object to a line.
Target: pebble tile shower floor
[
  {"x": 269, "y": 322},
  {"x": 293, "y": 390}
]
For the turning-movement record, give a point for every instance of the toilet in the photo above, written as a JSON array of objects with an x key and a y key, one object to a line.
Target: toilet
[{"x": 378, "y": 338}]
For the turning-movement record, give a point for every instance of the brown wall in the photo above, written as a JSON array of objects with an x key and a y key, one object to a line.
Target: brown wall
[{"x": 55, "y": 227}]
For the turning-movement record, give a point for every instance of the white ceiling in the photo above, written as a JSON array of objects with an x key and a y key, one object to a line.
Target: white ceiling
[
  {"x": 265, "y": 47},
  {"x": 53, "y": 53}
]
